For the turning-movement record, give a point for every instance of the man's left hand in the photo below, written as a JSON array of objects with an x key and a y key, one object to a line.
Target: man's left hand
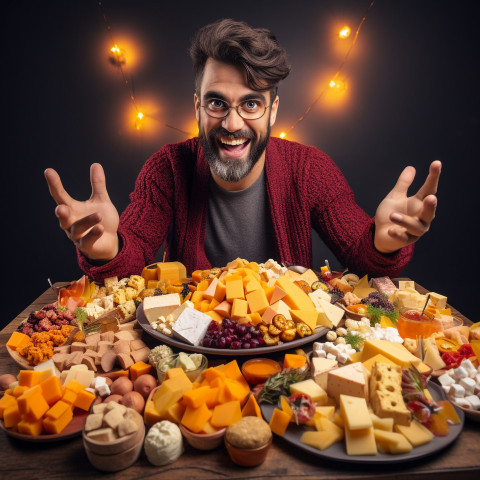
[{"x": 401, "y": 220}]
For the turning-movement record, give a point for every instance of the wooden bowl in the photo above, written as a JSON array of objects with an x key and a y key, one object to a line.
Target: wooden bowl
[
  {"x": 115, "y": 462},
  {"x": 119, "y": 445},
  {"x": 203, "y": 441}
]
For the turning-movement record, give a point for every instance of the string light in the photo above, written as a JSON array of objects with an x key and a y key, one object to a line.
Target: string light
[
  {"x": 338, "y": 85},
  {"x": 354, "y": 41},
  {"x": 117, "y": 56},
  {"x": 283, "y": 135},
  {"x": 344, "y": 32}
]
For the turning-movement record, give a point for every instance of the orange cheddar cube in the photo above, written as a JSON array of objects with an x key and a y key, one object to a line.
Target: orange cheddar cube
[
  {"x": 195, "y": 397},
  {"x": 223, "y": 309},
  {"x": 255, "y": 318},
  {"x": 139, "y": 368},
  {"x": 151, "y": 415},
  {"x": 36, "y": 407},
  {"x": 19, "y": 390},
  {"x": 212, "y": 397},
  {"x": 209, "y": 292},
  {"x": 52, "y": 390},
  {"x": 17, "y": 340},
  {"x": 279, "y": 421},
  {"x": 202, "y": 286},
  {"x": 56, "y": 426},
  {"x": 30, "y": 428},
  {"x": 214, "y": 315},
  {"x": 253, "y": 266},
  {"x": 220, "y": 292},
  {"x": 69, "y": 396},
  {"x": 5, "y": 402},
  {"x": 209, "y": 428},
  {"x": 231, "y": 370},
  {"x": 57, "y": 410},
  {"x": 294, "y": 361},
  {"x": 197, "y": 296},
  {"x": 212, "y": 373},
  {"x": 252, "y": 284},
  {"x": 84, "y": 400},
  {"x": 29, "y": 378},
  {"x": 213, "y": 303},
  {"x": 74, "y": 386},
  {"x": 234, "y": 289},
  {"x": 251, "y": 408},
  {"x": 257, "y": 301},
  {"x": 23, "y": 399},
  {"x": 226, "y": 414},
  {"x": 195, "y": 418},
  {"x": 11, "y": 416},
  {"x": 239, "y": 309}
]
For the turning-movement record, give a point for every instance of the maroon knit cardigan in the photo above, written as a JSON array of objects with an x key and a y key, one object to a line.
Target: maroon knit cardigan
[{"x": 305, "y": 189}]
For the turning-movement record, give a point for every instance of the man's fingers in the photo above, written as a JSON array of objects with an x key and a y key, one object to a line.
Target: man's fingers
[
  {"x": 97, "y": 179},
  {"x": 55, "y": 186},
  {"x": 86, "y": 242},
  {"x": 412, "y": 226},
  {"x": 402, "y": 236},
  {"x": 431, "y": 183},
  {"x": 405, "y": 180},
  {"x": 80, "y": 228}
]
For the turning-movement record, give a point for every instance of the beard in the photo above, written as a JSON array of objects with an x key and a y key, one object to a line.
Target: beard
[{"x": 232, "y": 169}]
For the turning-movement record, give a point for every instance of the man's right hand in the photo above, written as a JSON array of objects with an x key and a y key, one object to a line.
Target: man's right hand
[{"x": 91, "y": 225}]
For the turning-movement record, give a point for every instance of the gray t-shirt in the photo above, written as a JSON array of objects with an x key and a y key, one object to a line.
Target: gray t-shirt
[{"x": 239, "y": 224}]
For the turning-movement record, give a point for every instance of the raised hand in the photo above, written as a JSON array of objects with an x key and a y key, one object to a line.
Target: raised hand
[
  {"x": 401, "y": 220},
  {"x": 92, "y": 224}
]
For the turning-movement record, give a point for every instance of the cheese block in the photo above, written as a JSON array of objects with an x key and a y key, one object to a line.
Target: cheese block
[
  {"x": 320, "y": 368},
  {"x": 309, "y": 387},
  {"x": 386, "y": 393},
  {"x": 368, "y": 364},
  {"x": 158, "y": 305},
  {"x": 309, "y": 276},
  {"x": 355, "y": 413},
  {"x": 308, "y": 317},
  {"x": 382, "y": 423},
  {"x": 404, "y": 284},
  {"x": 295, "y": 297},
  {"x": 432, "y": 357},
  {"x": 191, "y": 326},
  {"x": 392, "y": 442},
  {"x": 438, "y": 301},
  {"x": 393, "y": 351},
  {"x": 328, "y": 314},
  {"x": 281, "y": 308},
  {"x": 171, "y": 272},
  {"x": 318, "y": 294},
  {"x": 178, "y": 311},
  {"x": 408, "y": 298},
  {"x": 350, "y": 380}
]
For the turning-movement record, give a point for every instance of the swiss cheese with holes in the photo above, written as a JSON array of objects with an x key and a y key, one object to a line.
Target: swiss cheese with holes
[{"x": 386, "y": 393}]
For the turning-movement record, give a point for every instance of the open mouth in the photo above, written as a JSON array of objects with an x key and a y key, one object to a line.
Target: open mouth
[{"x": 233, "y": 146}]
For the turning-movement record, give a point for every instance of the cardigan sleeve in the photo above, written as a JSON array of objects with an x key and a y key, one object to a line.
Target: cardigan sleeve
[
  {"x": 347, "y": 229},
  {"x": 144, "y": 224}
]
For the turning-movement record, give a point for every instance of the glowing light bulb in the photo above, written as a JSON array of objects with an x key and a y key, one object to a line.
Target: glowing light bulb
[
  {"x": 140, "y": 115},
  {"x": 332, "y": 83},
  {"x": 117, "y": 56},
  {"x": 283, "y": 135},
  {"x": 344, "y": 32},
  {"x": 338, "y": 85}
]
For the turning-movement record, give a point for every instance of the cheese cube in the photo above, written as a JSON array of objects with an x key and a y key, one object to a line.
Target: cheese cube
[
  {"x": 360, "y": 442},
  {"x": 257, "y": 301},
  {"x": 158, "y": 305},
  {"x": 349, "y": 380},
  {"x": 438, "y": 301},
  {"x": 329, "y": 315},
  {"x": 234, "y": 289},
  {"x": 191, "y": 326},
  {"x": 320, "y": 368}
]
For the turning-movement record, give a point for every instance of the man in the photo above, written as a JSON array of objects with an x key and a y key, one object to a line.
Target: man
[{"x": 234, "y": 191}]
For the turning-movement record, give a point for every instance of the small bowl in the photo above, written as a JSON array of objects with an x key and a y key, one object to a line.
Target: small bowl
[
  {"x": 115, "y": 462},
  {"x": 265, "y": 368},
  {"x": 172, "y": 362},
  {"x": 203, "y": 441},
  {"x": 248, "y": 457}
]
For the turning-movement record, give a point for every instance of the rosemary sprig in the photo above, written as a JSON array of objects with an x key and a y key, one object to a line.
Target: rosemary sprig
[{"x": 279, "y": 384}]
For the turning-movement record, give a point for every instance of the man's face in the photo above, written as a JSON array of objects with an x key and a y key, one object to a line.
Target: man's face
[{"x": 232, "y": 145}]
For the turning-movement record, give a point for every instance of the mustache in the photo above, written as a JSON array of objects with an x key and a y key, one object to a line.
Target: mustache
[{"x": 221, "y": 132}]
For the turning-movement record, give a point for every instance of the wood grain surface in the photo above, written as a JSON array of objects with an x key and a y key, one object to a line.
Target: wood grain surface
[{"x": 67, "y": 459}]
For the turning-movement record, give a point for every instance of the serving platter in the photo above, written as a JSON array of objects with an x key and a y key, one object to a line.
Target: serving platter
[
  {"x": 337, "y": 451},
  {"x": 144, "y": 323},
  {"x": 73, "y": 429},
  {"x": 19, "y": 360}
]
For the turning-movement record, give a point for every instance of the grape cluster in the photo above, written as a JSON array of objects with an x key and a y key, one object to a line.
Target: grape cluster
[
  {"x": 378, "y": 300},
  {"x": 232, "y": 335}
]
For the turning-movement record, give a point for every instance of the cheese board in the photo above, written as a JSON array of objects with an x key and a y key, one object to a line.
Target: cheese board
[
  {"x": 22, "y": 362},
  {"x": 144, "y": 323},
  {"x": 73, "y": 429},
  {"x": 338, "y": 453}
]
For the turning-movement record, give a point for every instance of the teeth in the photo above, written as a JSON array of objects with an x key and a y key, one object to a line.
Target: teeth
[{"x": 236, "y": 141}]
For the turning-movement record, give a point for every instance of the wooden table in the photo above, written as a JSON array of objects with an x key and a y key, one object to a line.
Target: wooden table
[{"x": 67, "y": 459}]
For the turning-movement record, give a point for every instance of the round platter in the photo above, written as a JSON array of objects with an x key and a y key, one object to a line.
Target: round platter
[
  {"x": 19, "y": 360},
  {"x": 144, "y": 323},
  {"x": 73, "y": 429},
  {"x": 338, "y": 453}
]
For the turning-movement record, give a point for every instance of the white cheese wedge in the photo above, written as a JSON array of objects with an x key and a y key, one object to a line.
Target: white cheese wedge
[
  {"x": 191, "y": 326},
  {"x": 178, "y": 311},
  {"x": 317, "y": 295},
  {"x": 349, "y": 380},
  {"x": 48, "y": 367},
  {"x": 320, "y": 368},
  {"x": 329, "y": 315},
  {"x": 158, "y": 305}
]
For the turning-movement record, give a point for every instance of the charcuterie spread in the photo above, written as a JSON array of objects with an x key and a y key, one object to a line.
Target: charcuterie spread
[{"x": 383, "y": 371}]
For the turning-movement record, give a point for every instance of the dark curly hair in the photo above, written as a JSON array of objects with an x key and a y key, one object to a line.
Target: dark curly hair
[{"x": 256, "y": 50}]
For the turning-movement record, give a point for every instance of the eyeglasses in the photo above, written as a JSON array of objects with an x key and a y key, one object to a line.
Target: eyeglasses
[{"x": 252, "y": 109}]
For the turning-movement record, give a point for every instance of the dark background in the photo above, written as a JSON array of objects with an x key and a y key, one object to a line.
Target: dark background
[{"x": 411, "y": 97}]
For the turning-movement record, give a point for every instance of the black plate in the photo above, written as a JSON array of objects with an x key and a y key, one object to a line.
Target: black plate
[
  {"x": 338, "y": 452},
  {"x": 144, "y": 323}
]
